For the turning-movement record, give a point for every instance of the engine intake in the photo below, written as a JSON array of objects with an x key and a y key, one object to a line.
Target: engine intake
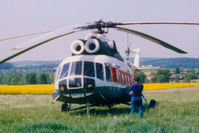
[
  {"x": 77, "y": 47},
  {"x": 92, "y": 46}
]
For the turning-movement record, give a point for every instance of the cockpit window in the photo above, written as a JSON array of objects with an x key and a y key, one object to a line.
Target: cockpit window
[
  {"x": 56, "y": 75},
  {"x": 76, "y": 68},
  {"x": 65, "y": 70},
  {"x": 100, "y": 72},
  {"x": 89, "y": 69}
]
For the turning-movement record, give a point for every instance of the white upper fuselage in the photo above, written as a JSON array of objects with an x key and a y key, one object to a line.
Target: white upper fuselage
[{"x": 102, "y": 59}]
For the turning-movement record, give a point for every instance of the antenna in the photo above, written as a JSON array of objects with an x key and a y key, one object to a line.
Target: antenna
[{"x": 128, "y": 50}]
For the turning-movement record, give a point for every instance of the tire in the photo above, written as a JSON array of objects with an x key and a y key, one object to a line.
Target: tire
[
  {"x": 152, "y": 103},
  {"x": 65, "y": 107}
]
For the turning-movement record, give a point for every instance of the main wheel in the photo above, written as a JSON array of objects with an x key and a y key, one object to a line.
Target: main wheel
[
  {"x": 65, "y": 107},
  {"x": 152, "y": 103}
]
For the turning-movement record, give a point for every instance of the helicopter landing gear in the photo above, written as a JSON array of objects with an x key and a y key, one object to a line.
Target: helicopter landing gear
[
  {"x": 65, "y": 107},
  {"x": 87, "y": 108},
  {"x": 109, "y": 106}
]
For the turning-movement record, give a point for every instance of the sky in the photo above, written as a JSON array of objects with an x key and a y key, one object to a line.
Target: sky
[{"x": 19, "y": 17}]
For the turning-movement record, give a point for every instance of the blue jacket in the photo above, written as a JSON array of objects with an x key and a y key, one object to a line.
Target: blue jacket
[{"x": 137, "y": 89}]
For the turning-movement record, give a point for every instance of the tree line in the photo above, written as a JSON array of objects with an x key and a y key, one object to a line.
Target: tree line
[
  {"x": 164, "y": 76},
  {"x": 26, "y": 78},
  {"x": 160, "y": 76}
]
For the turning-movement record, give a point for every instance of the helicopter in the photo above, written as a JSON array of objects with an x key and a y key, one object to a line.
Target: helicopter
[{"x": 95, "y": 74}]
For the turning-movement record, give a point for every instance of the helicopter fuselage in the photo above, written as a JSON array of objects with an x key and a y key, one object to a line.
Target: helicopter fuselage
[{"x": 94, "y": 79}]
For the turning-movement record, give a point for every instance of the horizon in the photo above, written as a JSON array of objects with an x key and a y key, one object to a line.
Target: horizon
[{"x": 130, "y": 58}]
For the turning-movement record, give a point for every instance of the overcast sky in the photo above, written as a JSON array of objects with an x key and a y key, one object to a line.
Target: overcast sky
[{"x": 18, "y": 17}]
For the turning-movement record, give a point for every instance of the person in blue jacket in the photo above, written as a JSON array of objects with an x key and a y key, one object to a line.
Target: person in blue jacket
[{"x": 136, "y": 96}]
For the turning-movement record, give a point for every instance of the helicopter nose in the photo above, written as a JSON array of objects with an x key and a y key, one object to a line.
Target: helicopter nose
[
  {"x": 77, "y": 90},
  {"x": 86, "y": 86},
  {"x": 77, "y": 87}
]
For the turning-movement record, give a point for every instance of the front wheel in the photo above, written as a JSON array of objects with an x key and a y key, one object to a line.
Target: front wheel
[{"x": 65, "y": 107}]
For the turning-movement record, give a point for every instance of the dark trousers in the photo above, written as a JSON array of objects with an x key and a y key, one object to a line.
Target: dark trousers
[{"x": 137, "y": 102}]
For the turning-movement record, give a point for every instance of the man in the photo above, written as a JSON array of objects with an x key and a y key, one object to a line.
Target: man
[{"x": 136, "y": 96}]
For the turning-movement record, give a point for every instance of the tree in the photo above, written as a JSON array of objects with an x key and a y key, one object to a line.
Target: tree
[
  {"x": 16, "y": 79},
  {"x": 31, "y": 78},
  {"x": 161, "y": 76},
  {"x": 191, "y": 74},
  {"x": 6, "y": 79},
  {"x": 177, "y": 71},
  {"x": 142, "y": 76},
  {"x": 43, "y": 78},
  {"x": 1, "y": 79}
]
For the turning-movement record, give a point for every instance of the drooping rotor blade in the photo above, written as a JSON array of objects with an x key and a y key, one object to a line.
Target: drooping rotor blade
[
  {"x": 42, "y": 40},
  {"x": 157, "y": 23},
  {"x": 25, "y": 35},
  {"x": 153, "y": 39}
]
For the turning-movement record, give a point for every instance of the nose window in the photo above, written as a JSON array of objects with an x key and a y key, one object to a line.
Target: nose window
[
  {"x": 76, "y": 68},
  {"x": 75, "y": 82},
  {"x": 89, "y": 69},
  {"x": 65, "y": 70}
]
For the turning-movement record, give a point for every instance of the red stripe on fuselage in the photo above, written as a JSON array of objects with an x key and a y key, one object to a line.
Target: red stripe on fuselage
[{"x": 124, "y": 77}]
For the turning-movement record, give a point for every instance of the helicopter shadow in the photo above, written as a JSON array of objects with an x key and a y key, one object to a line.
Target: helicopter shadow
[{"x": 113, "y": 111}]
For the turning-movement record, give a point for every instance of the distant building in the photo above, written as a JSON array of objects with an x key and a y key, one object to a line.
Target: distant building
[
  {"x": 176, "y": 76},
  {"x": 149, "y": 77}
]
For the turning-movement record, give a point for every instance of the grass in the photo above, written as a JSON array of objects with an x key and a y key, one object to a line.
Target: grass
[{"x": 177, "y": 111}]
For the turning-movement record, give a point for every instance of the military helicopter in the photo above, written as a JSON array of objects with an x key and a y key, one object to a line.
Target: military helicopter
[{"x": 95, "y": 74}]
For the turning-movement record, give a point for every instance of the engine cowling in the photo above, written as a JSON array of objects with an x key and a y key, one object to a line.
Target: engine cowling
[
  {"x": 77, "y": 47},
  {"x": 92, "y": 46}
]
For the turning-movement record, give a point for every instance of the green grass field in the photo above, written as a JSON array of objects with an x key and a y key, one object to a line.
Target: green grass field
[{"x": 177, "y": 111}]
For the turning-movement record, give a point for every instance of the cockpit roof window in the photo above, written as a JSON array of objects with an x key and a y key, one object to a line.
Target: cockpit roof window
[
  {"x": 89, "y": 69},
  {"x": 76, "y": 68},
  {"x": 65, "y": 70}
]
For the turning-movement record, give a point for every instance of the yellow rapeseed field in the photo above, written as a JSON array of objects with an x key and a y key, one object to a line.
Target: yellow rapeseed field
[
  {"x": 159, "y": 86},
  {"x": 26, "y": 89},
  {"x": 49, "y": 89}
]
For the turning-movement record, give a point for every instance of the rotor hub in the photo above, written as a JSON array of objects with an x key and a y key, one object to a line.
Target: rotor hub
[{"x": 99, "y": 26}]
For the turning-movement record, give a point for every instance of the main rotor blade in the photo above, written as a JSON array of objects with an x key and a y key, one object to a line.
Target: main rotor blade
[
  {"x": 25, "y": 35},
  {"x": 157, "y": 23},
  {"x": 41, "y": 40},
  {"x": 153, "y": 39}
]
